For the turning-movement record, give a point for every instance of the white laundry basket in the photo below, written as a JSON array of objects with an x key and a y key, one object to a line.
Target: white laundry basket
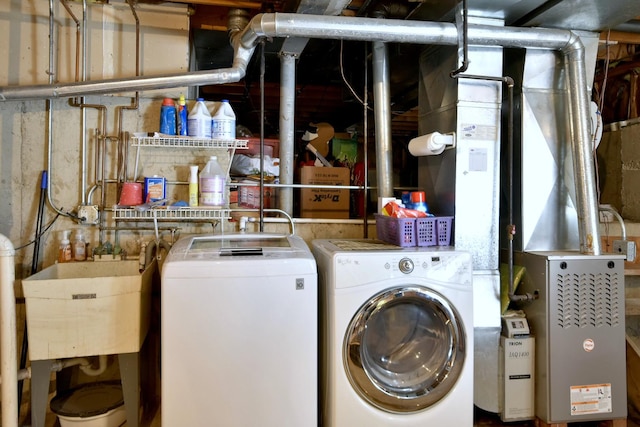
[{"x": 91, "y": 405}]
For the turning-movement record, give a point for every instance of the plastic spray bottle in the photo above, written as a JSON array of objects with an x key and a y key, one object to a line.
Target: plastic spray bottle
[
  {"x": 182, "y": 116},
  {"x": 193, "y": 186},
  {"x": 79, "y": 246},
  {"x": 64, "y": 252},
  {"x": 212, "y": 184}
]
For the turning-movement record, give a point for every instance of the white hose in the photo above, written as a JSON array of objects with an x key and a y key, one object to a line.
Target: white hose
[
  {"x": 85, "y": 366},
  {"x": 8, "y": 352}
]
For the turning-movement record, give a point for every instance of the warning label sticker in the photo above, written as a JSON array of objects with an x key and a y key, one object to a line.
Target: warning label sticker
[{"x": 590, "y": 399}]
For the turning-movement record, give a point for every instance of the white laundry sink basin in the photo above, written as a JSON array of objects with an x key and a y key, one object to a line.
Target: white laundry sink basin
[{"x": 87, "y": 308}]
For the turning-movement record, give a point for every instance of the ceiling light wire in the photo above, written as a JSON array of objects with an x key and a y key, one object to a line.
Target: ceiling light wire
[
  {"x": 344, "y": 79},
  {"x": 606, "y": 71}
]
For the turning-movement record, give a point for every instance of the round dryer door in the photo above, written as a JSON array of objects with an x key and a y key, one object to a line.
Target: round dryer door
[{"x": 404, "y": 349}]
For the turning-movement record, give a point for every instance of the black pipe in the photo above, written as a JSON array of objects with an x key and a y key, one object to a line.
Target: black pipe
[
  {"x": 36, "y": 246},
  {"x": 34, "y": 269},
  {"x": 262, "y": 113},
  {"x": 463, "y": 32}
]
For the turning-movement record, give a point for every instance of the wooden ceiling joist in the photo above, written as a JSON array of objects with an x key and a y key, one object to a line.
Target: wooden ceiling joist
[{"x": 225, "y": 3}]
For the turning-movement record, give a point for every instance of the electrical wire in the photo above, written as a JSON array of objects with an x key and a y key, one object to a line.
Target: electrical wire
[
  {"x": 606, "y": 72},
  {"x": 346, "y": 82},
  {"x": 41, "y": 234},
  {"x": 600, "y": 107}
]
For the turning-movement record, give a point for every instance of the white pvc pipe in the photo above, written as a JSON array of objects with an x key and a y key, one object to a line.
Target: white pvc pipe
[
  {"x": 88, "y": 369},
  {"x": 8, "y": 345},
  {"x": 59, "y": 365}
]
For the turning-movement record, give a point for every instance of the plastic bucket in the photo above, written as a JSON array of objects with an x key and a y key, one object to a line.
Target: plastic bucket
[{"x": 91, "y": 405}]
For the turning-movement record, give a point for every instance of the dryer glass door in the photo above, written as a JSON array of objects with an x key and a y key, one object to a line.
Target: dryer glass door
[{"x": 404, "y": 349}]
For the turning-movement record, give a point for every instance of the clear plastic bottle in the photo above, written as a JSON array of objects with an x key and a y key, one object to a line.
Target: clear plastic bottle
[
  {"x": 64, "y": 251},
  {"x": 223, "y": 122},
  {"x": 199, "y": 120},
  {"x": 213, "y": 184},
  {"x": 79, "y": 246}
]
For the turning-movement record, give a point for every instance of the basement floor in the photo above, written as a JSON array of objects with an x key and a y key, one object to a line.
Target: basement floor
[{"x": 481, "y": 419}]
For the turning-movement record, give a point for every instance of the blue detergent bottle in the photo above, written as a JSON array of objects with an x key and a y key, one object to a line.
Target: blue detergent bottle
[{"x": 168, "y": 117}]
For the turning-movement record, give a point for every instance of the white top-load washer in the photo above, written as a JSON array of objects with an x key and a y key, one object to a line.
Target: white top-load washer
[
  {"x": 239, "y": 332},
  {"x": 396, "y": 335}
]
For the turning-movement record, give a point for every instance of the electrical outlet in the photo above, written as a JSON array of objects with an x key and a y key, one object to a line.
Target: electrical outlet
[
  {"x": 88, "y": 214},
  {"x": 625, "y": 247}
]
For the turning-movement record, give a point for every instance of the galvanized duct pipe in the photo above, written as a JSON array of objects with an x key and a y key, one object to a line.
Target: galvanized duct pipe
[
  {"x": 389, "y": 31},
  {"x": 381, "y": 106},
  {"x": 287, "y": 127},
  {"x": 376, "y": 30},
  {"x": 583, "y": 162}
]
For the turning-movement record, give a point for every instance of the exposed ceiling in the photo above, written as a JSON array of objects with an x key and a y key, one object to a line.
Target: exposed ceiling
[{"x": 324, "y": 65}]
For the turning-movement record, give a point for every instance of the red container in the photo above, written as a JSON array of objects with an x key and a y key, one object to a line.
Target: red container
[{"x": 253, "y": 147}]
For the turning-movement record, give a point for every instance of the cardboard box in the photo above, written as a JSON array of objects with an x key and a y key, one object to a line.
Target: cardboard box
[{"x": 324, "y": 202}]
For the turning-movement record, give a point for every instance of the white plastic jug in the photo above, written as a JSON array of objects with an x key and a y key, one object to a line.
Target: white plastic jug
[
  {"x": 199, "y": 120},
  {"x": 213, "y": 184},
  {"x": 223, "y": 122}
]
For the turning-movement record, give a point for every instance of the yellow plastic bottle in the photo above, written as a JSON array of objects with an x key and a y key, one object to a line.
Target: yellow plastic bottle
[{"x": 193, "y": 186}]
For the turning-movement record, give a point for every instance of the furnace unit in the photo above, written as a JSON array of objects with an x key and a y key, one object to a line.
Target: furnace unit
[{"x": 579, "y": 325}]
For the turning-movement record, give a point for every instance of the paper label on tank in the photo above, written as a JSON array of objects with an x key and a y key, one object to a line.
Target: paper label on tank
[
  {"x": 476, "y": 131},
  {"x": 478, "y": 159},
  {"x": 591, "y": 399}
]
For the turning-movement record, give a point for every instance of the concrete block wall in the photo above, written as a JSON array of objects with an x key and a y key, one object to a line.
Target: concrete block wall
[
  {"x": 25, "y": 140},
  {"x": 24, "y": 129}
]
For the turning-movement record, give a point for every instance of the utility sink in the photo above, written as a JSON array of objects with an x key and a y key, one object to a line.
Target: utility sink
[{"x": 87, "y": 308}]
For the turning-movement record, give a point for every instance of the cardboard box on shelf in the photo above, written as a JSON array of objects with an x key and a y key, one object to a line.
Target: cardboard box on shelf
[{"x": 324, "y": 202}]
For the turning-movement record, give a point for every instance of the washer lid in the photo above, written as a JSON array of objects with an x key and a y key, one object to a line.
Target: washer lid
[
  {"x": 239, "y": 243},
  {"x": 88, "y": 400}
]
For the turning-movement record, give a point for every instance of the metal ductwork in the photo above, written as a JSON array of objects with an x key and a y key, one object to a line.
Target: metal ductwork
[
  {"x": 380, "y": 32},
  {"x": 389, "y": 31},
  {"x": 291, "y": 50}
]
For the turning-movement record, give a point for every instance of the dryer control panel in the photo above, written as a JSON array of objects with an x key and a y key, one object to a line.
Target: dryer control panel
[{"x": 405, "y": 265}]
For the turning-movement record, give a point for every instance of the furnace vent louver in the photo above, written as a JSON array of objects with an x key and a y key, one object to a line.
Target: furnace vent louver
[{"x": 586, "y": 300}]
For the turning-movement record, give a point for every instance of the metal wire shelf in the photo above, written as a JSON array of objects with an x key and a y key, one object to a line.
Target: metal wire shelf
[
  {"x": 159, "y": 140},
  {"x": 171, "y": 214}
]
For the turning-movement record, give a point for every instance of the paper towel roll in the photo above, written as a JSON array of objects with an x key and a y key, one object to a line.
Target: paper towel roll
[{"x": 430, "y": 144}]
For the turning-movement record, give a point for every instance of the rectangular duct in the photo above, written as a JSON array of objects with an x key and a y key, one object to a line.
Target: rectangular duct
[
  {"x": 464, "y": 182},
  {"x": 545, "y": 207}
]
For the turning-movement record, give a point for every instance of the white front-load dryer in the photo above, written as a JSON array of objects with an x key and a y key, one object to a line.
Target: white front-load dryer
[
  {"x": 239, "y": 332},
  {"x": 396, "y": 335}
]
